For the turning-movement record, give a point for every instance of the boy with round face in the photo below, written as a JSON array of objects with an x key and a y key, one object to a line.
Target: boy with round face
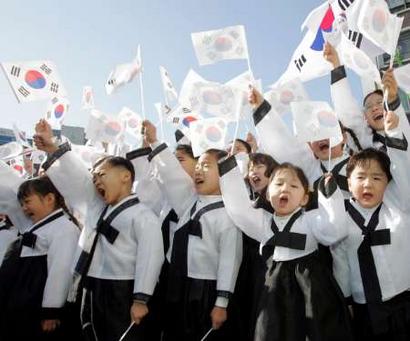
[
  {"x": 367, "y": 121},
  {"x": 206, "y": 247},
  {"x": 371, "y": 264}
]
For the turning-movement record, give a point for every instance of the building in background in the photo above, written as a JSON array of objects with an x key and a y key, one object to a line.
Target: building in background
[
  {"x": 75, "y": 134},
  {"x": 402, "y": 9},
  {"x": 6, "y": 136}
]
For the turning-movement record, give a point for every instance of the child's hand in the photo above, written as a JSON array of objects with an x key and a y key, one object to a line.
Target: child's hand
[
  {"x": 255, "y": 98},
  {"x": 330, "y": 54},
  {"x": 49, "y": 325},
  {"x": 328, "y": 177},
  {"x": 252, "y": 142},
  {"x": 43, "y": 139},
  {"x": 218, "y": 317},
  {"x": 138, "y": 312},
  {"x": 390, "y": 85},
  {"x": 150, "y": 132},
  {"x": 391, "y": 121}
]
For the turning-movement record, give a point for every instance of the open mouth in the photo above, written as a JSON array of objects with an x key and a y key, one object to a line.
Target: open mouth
[
  {"x": 367, "y": 196},
  {"x": 324, "y": 146},
  {"x": 101, "y": 191},
  {"x": 199, "y": 181},
  {"x": 256, "y": 179},
  {"x": 283, "y": 200},
  {"x": 378, "y": 117}
]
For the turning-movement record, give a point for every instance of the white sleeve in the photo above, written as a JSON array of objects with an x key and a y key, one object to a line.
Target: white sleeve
[
  {"x": 146, "y": 185},
  {"x": 60, "y": 257},
  {"x": 73, "y": 180},
  {"x": 277, "y": 141},
  {"x": 398, "y": 190},
  {"x": 237, "y": 203},
  {"x": 150, "y": 253},
  {"x": 329, "y": 220},
  {"x": 178, "y": 185},
  {"x": 9, "y": 184},
  {"x": 349, "y": 112},
  {"x": 230, "y": 258}
]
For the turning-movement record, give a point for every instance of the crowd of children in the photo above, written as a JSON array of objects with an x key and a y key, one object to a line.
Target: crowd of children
[{"x": 278, "y": 240}]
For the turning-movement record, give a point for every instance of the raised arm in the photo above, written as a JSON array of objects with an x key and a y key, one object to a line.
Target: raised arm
[
  {"x": 398, "y": 190},
  {"x": 69, "y": 175},
  {"x": 237, "y": 203},
  {"x": 179, "y": 187},
  {"x": 277, "y": 141}
]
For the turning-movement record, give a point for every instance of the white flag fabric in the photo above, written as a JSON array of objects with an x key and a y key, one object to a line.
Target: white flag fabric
[
  {"x": 33, "y": 80},
  {"x": 10, "y": 150},
  {"x": 282, "y": 95},
  {"x": 226, "y": 43},
  {"x": 307, "y": 60},
  {"x": 181, "y": 115},
  {"x": 87, "y": 100},
  {"x": 380, "y": 26},
  {"x": 402, "y": 75},
  {"x": 87, "y": 154},
  {"x": 170, "y": 92},
  {"x": 314, "y": 121},
  {"x": 210, "y": 98},
  {"x": 132, "y": 121},
  {"x": 103, "y": 128},
  {"x": 38, "y": 156},
  {"x": 123, "y": 73},
  {"x": 358, "y": 60},
  {"x": 20, "y": 136},
  {"x": 206, "y": 134},
  {"x": 56, "y": 111},
  {"x": 241, "y": 83}
]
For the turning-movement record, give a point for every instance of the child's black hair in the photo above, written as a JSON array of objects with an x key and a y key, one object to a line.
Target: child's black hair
[
  {"x": 217, "y": 153},
  {"x": 263, "y": 159},
  {"x": 42, "y": 186},
  {"x": 297, "y": 170},
  {"x": 364, "y": 157},
  {"x": 186, "y": 149},
  {"x": 377, "y": 91},
  {"x": 117, "y": 161},
  {"x": 245, "y": 144}
]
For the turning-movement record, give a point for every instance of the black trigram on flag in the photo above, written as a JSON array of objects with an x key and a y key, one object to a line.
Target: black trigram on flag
[
  {"x": 355, "y": 37},
  {"x": 111, "y": 81},
  {"x": 300, "y": 62},
  {"x": 46, "y": 69},
  {"x": 23, "y": 91},
  {"x": 345, "y": 4},
  {"x": 186, "y": 110},
  {"x": 175, "y": 120},
  {"x": 54, "y": 87},
  {"x": 15, "y": 71}
]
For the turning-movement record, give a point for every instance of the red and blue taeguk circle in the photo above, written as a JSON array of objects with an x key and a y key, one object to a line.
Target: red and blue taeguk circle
[
  {"x": 59, "y": 111},
  {"x": 35, "y": 79},
  {"x": 187, "y": 120},
  {"x": 223, "y": 44},
  {"x": 213, "y": 134},
  {"x": 327, "y": 119},
  {"x": 113, "y": 128}
]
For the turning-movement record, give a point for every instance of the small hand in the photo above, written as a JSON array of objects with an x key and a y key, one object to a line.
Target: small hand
[
  {"x": 150, "y": 132},
  {"x": 138, "y": 312},
  {"x": 218, "y": 317},
  {"x": 49, "y": 325},
  {"x": 330, "y": 54},
  {"x": 390, "y": 85},
  {"x": 255, "y": 98},
  {"x": 391, "y": 121},
  {"x": 43, "y": 138}
]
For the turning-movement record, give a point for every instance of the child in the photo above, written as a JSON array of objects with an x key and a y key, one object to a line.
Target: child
[
  {"x": 371, "y": 264},
  {"x": 252, "y": 271},
  {"x": 300, "y": 300},
  {"x": 369, "y": 127},
  {"x": 121, "y": 244},
  {"x": 36, "y": 272},
  {"x": 205, "y": 248}
]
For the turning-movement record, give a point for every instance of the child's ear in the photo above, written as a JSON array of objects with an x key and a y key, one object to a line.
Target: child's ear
[
  {"x": 305, "y": 199},
  {"x": 125, "y": 176},
  {"x": 348, "y": 184},
  {"x": 50, "y": 198}
]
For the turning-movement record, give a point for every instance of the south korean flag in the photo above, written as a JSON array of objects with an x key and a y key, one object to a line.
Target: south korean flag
[{"x": 34, "y": 80}]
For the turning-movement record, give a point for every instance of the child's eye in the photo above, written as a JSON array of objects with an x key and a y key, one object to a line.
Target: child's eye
[{"x": 294, "y": 186}]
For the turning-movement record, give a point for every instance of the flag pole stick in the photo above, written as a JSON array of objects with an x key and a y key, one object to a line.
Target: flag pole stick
[
  {"x": 237, "y": 124},
  {"x": 142, "y": 96}
]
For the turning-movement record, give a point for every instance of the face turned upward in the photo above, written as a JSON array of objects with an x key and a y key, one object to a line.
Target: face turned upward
[
  {"x": 374, "y": 111},
  {"x": 321, "y": 149},
  {"x": 257, "y": 176},
  {"x": 367, "y": 183},
  {"x": 206, "y": 175},
  {"x": 286, "y": 192},
  {"x": 113, "y": 183}
]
